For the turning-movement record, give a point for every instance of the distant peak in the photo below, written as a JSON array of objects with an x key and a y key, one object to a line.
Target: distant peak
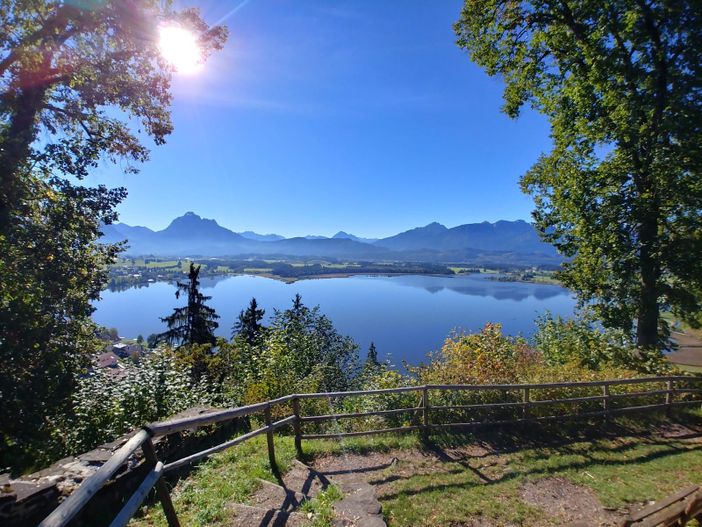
[
  {"x": 190, "y": 213},
  {"x": 434, "y": 226}
]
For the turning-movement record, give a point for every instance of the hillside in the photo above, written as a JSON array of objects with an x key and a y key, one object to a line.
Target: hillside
[{"x": 504, "y": 243}]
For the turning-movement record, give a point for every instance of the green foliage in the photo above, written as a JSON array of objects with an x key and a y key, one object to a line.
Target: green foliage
[
  {"x": 485, "y": 357},
  {"x": 301, "y": 351},
  {"x": 322, "y": 506},
  {"x": 620, "y": 193},
  {"x": 564, "y": 340},
  {"x": 106, "y": 404},
  {"x": 51, "y": 272},
  {"x": 248, "y": 324},
  {"x": 74, "y": 78}
]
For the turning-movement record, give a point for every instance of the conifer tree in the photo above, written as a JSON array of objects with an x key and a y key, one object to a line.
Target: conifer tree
[
  {"x": 195, "y": 322},
  {"x": 372, "y": 357},
  {"x": 248, "y": 324}
]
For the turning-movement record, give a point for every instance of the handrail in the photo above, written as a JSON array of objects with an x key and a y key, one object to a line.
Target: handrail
[
  {"x": 76, "y": 501},
  {"x": 69, "y": 508}
]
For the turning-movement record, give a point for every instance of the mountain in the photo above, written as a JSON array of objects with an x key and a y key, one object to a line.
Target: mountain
[
  {"x": 513, "y": 236},
  {"x": 341, "y": 235},
  {"x": 250, "y": 235},
  {"x": 509, "y": 243},
  {"x": 315, "y": 237}
]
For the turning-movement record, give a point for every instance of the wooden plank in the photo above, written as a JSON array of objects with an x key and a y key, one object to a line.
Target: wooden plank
[
  {"x": 525, "y": 400},
  {"x": 269, "y": 439},
  {"x": 605, "y": 399},
  {"x": 399, "y": 429},
  {"x": 667, "y": 516},
  {"x": 358, "y": 392},
  {"x": 331, "y": 417},
  {"x": 662, "y": 504},
  {"x": 206, "y": 453},
  {"x": 283, "y": 422},
  {"x": 426, "y": 426},
  {"x": 544, "y": 386},
  {"x": 164, "y": 495},
  {"x": 297, "y": 427},
  {"x": 76, "y": 501},
  {"x": 485, "y": 406},
  {"x": 138, "y": 497},
  {"x": 186, "y": 423},
  {"x": 637, "y": 394}
]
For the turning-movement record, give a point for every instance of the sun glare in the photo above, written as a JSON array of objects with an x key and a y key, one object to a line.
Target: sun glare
[{"x": 180, "y": 48}]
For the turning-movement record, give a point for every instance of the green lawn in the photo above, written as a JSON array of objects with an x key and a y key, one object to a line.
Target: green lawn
[{"x": 623, "y": 464}]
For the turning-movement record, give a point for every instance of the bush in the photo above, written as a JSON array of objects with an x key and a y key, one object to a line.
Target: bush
[
  {"x": 107, "y": 405},
  {"x": 562, "y": 340}
]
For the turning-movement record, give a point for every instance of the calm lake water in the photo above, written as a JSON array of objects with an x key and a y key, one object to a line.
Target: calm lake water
[{"x": 406, "y": 316}]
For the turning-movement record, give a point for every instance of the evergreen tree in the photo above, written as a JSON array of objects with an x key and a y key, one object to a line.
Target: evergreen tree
[
  {"x": 372, "y": 357},
  {"x": 248, "y": 324},
  {"x": 195, "y": 322}
]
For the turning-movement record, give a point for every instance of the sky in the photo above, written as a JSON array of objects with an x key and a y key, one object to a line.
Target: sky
[{"x": 320, "y": 116}]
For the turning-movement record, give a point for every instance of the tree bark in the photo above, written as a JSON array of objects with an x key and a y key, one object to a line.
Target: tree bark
[
  {"x": 648, "y": 308},
  {"x": 17, "y": 146}
]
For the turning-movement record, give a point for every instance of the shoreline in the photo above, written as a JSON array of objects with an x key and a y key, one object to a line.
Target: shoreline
[{"x": 348, "y": 273}]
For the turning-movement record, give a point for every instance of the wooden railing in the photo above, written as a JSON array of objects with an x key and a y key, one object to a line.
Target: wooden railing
[{"x": 420, "y": 419}]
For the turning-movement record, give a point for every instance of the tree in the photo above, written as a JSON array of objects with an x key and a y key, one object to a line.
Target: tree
[
  {"x": 140, "y": 339},
  {"x": 620, "y": 194},
  {"x": 64, "y": 68},
  {"x": 195, "y": 322},
  {"x": 312, "y": 344},
  {"x": 248, "y": 324},
  {"x": 152, "y": 341},
  {"x": 51, "y": 272},
  {"x": 372, "y": 357},
  {"x": 75, "y": 79}
]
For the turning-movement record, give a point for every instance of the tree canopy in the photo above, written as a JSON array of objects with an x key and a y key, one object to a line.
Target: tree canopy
[
  {"x": 79, "y": 75},
  {"x": 248, "y": 324},
  {"x": 620, "y": 194}
]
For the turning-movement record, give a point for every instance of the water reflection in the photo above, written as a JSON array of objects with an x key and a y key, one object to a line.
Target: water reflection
[
  {"x": 406, "y": 316},
  {"x": 481, "y": 286}
]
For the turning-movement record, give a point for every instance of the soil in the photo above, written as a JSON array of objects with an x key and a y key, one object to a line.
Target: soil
[{"x": 563, "y": 500}]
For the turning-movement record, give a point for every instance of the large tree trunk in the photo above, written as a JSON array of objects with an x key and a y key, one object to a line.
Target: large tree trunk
[
  {"x": 17, "y": 145},
  {"x": 648, "y": 308}
]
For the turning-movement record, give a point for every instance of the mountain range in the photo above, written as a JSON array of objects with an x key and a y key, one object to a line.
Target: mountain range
[{"x": 512, "y": 243}]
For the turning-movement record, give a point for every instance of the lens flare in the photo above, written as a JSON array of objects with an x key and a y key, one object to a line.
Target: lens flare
[{"x": 180, "y": 48}]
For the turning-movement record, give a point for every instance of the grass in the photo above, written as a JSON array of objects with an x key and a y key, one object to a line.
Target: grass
[
  {"x": 622, "y": 464},
  {"x": 228, "y": 477},
  {"x": 321, "y": 507},
  {"x": 620, "y": 470}
]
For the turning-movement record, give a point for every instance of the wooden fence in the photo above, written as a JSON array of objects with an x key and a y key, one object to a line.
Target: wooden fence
[{"x": 515, "y": 403}]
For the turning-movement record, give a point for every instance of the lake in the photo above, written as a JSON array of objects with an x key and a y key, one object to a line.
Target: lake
[{"x": 406, "y": 316}]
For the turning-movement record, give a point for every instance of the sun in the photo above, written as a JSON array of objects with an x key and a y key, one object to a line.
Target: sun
[{"x": 180, "y": 48}]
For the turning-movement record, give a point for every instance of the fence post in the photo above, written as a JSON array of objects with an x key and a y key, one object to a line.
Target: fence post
[
  {"x": 668, "y": 397},
  {"x": 296, "y": 426},
  {"x": 525, "y": 400},
  {"x": 161, "y": 489},
  {"x": 605, "y": 399},
  {"x": 269, "y": 437},
  {"x": 425, "y": 413}
]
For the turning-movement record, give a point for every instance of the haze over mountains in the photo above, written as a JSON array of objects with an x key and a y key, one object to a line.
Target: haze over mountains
[{"x": 513, "y": 243}]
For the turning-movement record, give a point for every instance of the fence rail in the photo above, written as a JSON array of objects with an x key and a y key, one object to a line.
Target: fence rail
[{"x": 421, "y": 421}]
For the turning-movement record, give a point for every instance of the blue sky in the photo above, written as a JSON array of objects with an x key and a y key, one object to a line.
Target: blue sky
[{"x": 321, "y": 116}]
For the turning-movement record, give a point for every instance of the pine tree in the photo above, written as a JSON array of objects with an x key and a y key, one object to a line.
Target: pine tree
[
  {"x": 248, "y": 324},
  {"x": 372, "y": 357},
  {"x": 195, "y": 322}
]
